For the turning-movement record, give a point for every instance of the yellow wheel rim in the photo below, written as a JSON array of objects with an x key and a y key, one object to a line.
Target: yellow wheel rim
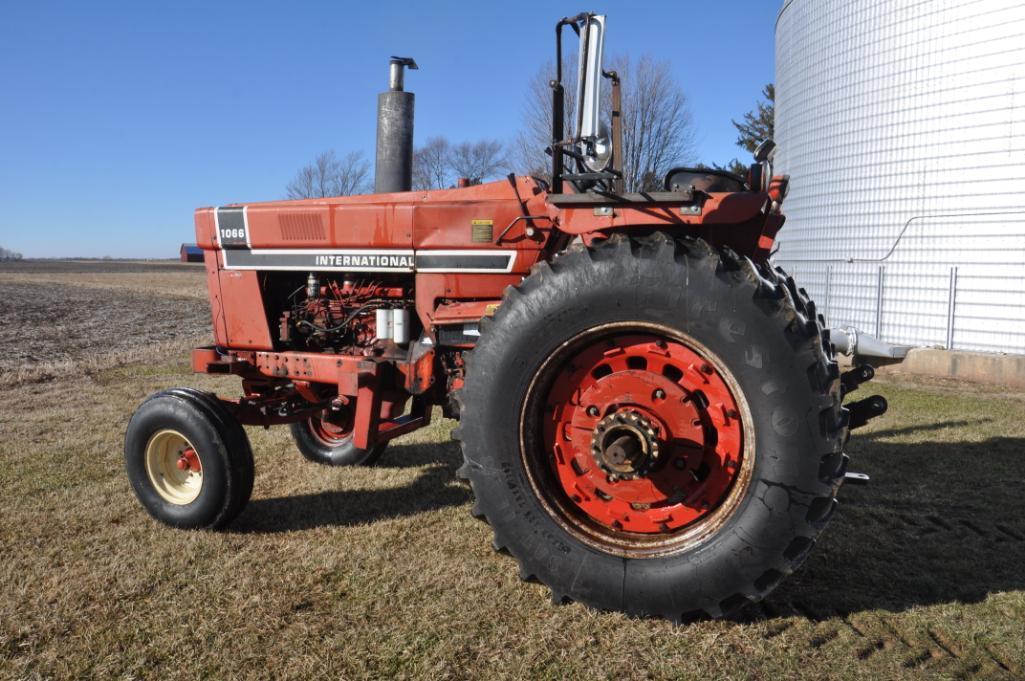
[{"x": 174, "y": 468}]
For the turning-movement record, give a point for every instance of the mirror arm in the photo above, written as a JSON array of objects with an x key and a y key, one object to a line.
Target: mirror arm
[{"x": 618, "y": 185}]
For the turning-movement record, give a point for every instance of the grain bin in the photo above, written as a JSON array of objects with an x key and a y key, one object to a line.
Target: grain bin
[{"x": 902, "y": 125}]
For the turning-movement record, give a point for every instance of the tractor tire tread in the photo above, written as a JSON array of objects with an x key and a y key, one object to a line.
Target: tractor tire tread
[{"x": 776, "y": 294}]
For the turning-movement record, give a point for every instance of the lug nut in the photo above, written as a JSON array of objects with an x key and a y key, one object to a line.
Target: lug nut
[
  {"x": 592, "y": 410},
  {"x": 660, "y": 394}
]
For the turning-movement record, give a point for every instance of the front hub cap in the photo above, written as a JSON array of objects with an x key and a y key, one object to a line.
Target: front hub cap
[
  {"x": 174, "y": 467},
  {"x": 643, "y": 432}
]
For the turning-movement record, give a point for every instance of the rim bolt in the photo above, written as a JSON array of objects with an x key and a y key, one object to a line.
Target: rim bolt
[
  {"x": 660, "y": 394},
  {"x": 706, "y": 369},
  {"x": 592, "y": 410}
]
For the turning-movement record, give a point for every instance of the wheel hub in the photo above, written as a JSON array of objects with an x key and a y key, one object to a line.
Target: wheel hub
[
  {"x": 643, "y": 433},
  {"x": 174, "y": 467},
  {"x": 333, "y": 430},
  {"x": 189, "y": 461},
  {"x": 624, "y": 445}
]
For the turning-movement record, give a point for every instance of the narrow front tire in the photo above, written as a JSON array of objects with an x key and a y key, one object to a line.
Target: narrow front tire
[
  {"x": 188, "y": 459},
  {"x": 330, "y": 444}
]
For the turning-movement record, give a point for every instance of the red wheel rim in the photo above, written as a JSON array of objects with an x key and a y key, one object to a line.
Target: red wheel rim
[
  {"x": 330, "y": 432},
  {"x": 641, "y": 434}
]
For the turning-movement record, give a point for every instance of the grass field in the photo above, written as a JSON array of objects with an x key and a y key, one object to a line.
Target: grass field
[{"x": 382, "y": 571}]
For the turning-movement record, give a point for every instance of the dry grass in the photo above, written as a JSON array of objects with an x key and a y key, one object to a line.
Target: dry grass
[{"x": 382, "y": 572}]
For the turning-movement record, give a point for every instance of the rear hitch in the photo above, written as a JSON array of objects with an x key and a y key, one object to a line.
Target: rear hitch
[
  {"x": 850, "y": 380},
  {"x": 864, "y": 410}
]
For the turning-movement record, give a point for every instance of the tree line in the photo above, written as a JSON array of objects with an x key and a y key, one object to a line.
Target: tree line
[
  {"x": 658, "y": 134},
  {"x": 9, "y": 255}
]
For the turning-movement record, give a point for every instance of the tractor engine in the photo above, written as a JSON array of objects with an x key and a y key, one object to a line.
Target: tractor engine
[{"x": 347, "y": 315}]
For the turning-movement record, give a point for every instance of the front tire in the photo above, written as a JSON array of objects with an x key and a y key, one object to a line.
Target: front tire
[
  {"x": 654, "y": 426},
  {"x": 188, "y": 459},
  {"x": 330, "y": 444}
]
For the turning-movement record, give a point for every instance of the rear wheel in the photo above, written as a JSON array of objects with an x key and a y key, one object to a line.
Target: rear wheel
[
  {"x": 327, "y": 440},
  {"x": 645, "y": 438},
  {"x": 654, "y": 426},
  {"x": 188, "y": 459}
]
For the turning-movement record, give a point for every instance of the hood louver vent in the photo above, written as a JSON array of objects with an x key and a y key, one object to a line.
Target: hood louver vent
[{"x": 301, "y": 227}]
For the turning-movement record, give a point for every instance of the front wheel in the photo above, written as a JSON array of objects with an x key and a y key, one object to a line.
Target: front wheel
[
  {"x": 328, "y": 441},
  {"x": 654, "y": 426},
  {"x": 188, "y": 459}
]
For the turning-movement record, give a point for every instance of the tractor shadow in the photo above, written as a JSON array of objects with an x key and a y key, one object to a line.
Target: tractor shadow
[
  {"x": 435, "y": 488},
  {"x": 941, "y": 522}
]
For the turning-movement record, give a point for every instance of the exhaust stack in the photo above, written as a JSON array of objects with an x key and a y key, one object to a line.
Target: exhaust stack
[{"x": 394, "y": 165}]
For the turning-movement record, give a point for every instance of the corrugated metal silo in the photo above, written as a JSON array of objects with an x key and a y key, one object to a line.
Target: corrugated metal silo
[{"x": 902, "y": 126}]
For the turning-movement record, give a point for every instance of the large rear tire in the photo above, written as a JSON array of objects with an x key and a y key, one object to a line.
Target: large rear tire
[{"x": 654, "y": 426}]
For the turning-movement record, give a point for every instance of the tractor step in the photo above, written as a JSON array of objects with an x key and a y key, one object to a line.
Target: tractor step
[{"x": 856, "y": 478}]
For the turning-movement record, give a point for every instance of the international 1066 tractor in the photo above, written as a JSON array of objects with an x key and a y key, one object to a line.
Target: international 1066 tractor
[{"x": 649, "y": 413}]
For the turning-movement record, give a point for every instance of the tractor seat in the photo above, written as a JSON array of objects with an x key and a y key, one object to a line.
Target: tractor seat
[{"x": 704, "y": 180}]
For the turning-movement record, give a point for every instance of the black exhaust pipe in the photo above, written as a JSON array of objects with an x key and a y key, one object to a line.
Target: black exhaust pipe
[{"x": 394, "y": 168}]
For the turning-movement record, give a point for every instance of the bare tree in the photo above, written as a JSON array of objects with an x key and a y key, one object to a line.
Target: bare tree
[
  {"x": 431, "y": 164},
  {"x": 536, "y": 136},
  {"x": 477, "y": 161},
  {"x": 314, "y": 180},
  {"x": 353, "y": 174},
  {"x": 658, "y": 129},
  {"x": 326, "y": 175},
  {"x": 304, "y": 184},
  {"x": 438, "y": 163},
  {"x": 9, "y": 255}
]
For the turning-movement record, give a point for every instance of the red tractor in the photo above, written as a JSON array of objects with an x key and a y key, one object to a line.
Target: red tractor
[{"x": 650, "y": 414}]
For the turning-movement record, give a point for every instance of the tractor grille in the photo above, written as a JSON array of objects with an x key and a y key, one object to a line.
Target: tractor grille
[{"x": 301, "y": 227}]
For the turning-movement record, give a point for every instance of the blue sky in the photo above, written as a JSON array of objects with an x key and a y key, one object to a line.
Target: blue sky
[{"x": 117, "y": 119}]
